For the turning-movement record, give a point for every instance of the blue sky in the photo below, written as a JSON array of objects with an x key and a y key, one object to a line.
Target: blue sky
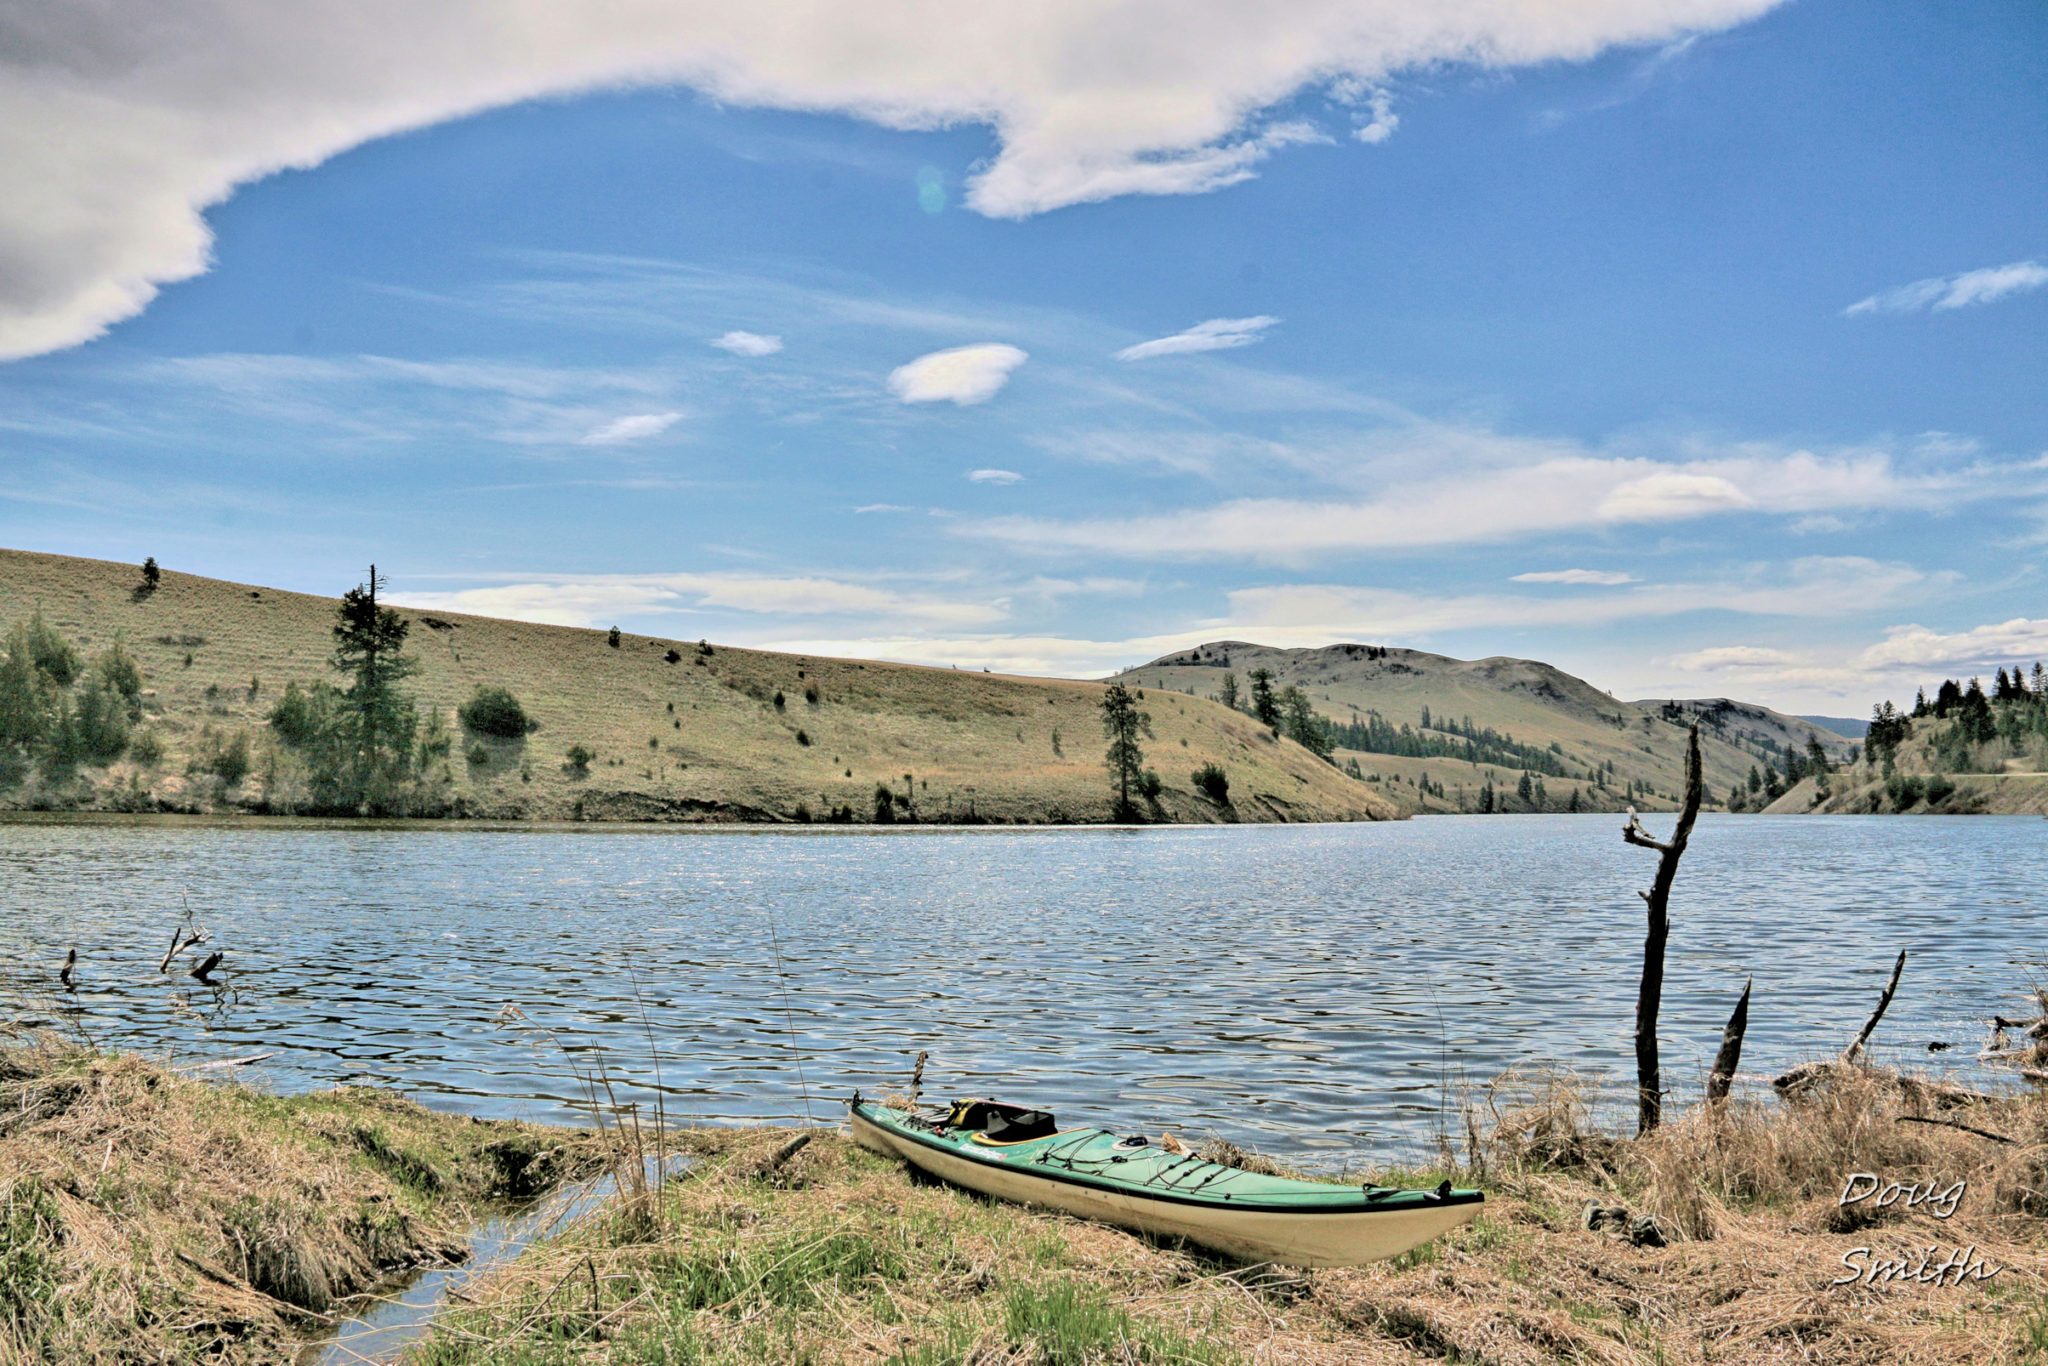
[{"x": 1706, "y": 361}]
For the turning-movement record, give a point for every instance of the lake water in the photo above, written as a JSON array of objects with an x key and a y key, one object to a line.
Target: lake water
[{"x": 1304, "y": 989}]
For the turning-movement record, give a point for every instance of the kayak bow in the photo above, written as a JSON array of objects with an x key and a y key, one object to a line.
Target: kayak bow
[{"x": 1136, "y": 1184}]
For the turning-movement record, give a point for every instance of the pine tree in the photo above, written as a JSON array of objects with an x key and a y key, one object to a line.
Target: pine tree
[
  {"x": 1122, "y": 723},
  {"x": 1228, "y": 697},
  {"x": 1265, "y": 705},
  {"x": 1302, "y": 724},
  {"x": 151, "y": 575},
  {"x": 369, "y": 644}
]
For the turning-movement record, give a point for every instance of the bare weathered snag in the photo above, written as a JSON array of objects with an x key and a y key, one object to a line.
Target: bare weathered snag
[
  {"x": 1650, "y": 994},
  {"x": 1850, "y": 1053},
  {"x": 1730, "y": 1056}
]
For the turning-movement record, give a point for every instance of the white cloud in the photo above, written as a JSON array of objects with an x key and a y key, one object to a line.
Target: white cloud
[
  {"x": 1667, "y": 496},
  {"x": 1905, "y": 659},
  {"x": 2020, "y": 640},
  {"x": 1942, "y": 292},
  {"x": 1304, "y": 615},
  {"x": 1818, "y": 586},
  {"x": 963, "y": 374},
  {"x": 599, "y": 599},
  {"x": 122, "y": 122},
  {"x": 748, "y": 343},
  {"x": 1721, "y": 657},
  {"x": 1217, "y": 334},
  {"x": 1499, "y": 489},
  {"x": 865, "y": 508},
  {"x": 1379, "y": 106},
  {"x": 1599, "y": 576},
  {"x": 636, "y": 427},
  {"x": 995, "y": 476}
]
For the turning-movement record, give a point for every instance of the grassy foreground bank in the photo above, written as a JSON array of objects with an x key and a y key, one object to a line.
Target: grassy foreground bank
[
  {"x": 840, "y": 1257},
  {"x": 149, "y": 1216}
]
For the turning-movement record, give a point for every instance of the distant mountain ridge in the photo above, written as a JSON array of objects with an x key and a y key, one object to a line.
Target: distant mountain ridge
[
  {"x": 1842, "y": 725},
  {"x": 1441, "y": 731}
]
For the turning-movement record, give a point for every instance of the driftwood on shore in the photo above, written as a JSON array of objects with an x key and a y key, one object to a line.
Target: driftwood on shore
[
  {"x": 1810, "y": 1077},
  {"x": 1650, "y": 991}
]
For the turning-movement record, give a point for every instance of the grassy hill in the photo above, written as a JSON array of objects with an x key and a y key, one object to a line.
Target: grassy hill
[
  {"x": 1514, "y": 715},
  {"x": 679, "y": 732},
  {"x": 1941, "y": 763}
]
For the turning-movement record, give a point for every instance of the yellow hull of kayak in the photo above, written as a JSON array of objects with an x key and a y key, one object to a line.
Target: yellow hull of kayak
[{"x": 1318, "y": 1239}]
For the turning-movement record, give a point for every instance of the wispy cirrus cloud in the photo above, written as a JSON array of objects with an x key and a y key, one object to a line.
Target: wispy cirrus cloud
[
  {"x": 1307, "y": 615},
  {"x": 1513, "y": 491},
  {"x": 598, "y": 599},
  {"x": 1217, "y": 334},
  {"x": 622, "y": 431},
  {"x": 1606, "y": 577},
  {"x": 1939, "y": 293},
  {"x": 1815, "y": 586},
  {"x": 962, "y": 375},
  {"x": 994, "y": 477}
]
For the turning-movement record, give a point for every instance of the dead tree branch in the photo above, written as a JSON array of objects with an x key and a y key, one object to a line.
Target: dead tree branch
[
  {"x": 1951, "y": 1124},
  {"x": 1851, "y": 1053},
  {"x": 1730, "y": 1055},
  {"x": 1650, "y": 994}
]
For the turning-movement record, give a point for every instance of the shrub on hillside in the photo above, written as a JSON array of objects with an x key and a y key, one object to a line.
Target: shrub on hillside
[
  {"x": 495, "y": 712},
  {"x": 1213, "y": 783},
  {"x": 1149, "y": 785},
  {"x": 119, "y": 671},
  {"x": 146, "y": 748},
  {"x": 226, "y": 757},
  {"x": 52, "y": 653},
  {"x": 580, "y": 757},
  {"x": 301, "y": 716}
]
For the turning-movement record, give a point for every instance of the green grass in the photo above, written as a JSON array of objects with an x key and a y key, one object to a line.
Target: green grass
[
  {"x": 1067, "y": 1324},
  {"x": 31, "y": 1232}
]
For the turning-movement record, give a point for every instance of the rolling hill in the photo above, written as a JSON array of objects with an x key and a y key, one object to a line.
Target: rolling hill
[
  {"x": 1509, "y": 715},
  {"x": 681, "y": 732}
]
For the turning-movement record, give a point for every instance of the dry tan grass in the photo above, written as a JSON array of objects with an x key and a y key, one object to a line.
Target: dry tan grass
[
  {"x": 698, "y": 739},
  {"x": 148, "y": 1215},
  {"x": 1750, "y": 1196}
]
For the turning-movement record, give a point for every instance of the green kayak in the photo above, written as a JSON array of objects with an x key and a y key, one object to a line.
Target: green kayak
[{"x": 1017, "y": 1154}]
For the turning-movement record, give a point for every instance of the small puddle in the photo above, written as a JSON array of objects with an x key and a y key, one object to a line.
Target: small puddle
[{"x": 386, "y": 1324}]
